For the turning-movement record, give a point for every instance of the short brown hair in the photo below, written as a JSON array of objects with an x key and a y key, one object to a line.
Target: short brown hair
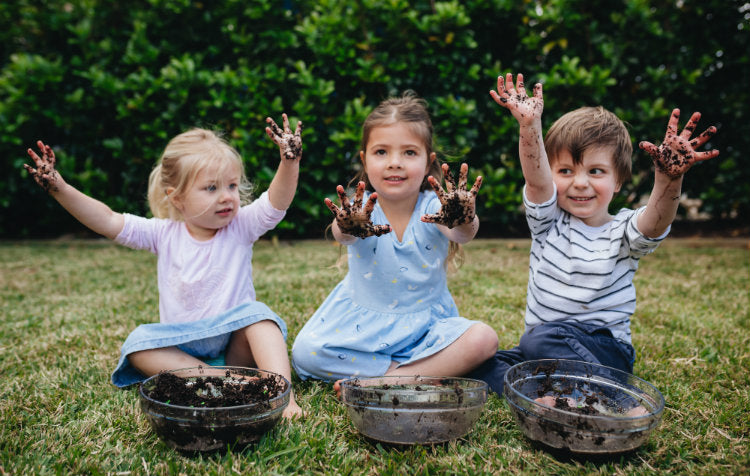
[{"x": 587, "y": 128}]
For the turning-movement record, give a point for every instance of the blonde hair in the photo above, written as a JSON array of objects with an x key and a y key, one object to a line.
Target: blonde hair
[
  {"x": 410, "y": 110},
  {"x": 184, "y": 157},
  {"x": 589, "y": 128}
]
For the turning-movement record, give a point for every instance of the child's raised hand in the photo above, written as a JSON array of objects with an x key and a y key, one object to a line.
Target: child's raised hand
[
  {"x": 290, "y": 144},
  {"x": 44, "y": 174},
  {"x": 459, "y": 203},
  {"x": 678, "y": 153},
  {"x": 354, "y": 219},
  {"x": 524, "y": 108}
]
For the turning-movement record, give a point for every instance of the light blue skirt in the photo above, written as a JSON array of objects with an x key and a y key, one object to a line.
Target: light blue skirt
[{"x": 205, "y": 339}]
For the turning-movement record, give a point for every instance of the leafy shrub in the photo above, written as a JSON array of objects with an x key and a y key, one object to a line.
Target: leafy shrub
[{"x": 108, "y": 83}]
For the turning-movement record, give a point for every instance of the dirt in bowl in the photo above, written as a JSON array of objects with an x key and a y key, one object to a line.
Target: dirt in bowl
[
  {"x": 214, "y": 391},
  {"x": 557, "y": 394}
]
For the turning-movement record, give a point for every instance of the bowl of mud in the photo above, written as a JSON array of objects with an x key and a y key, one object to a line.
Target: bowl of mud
[
  {"x": 580, "y": 407},
  {"x": 413, "y": 410},
  {"x": 213, "y": 408}
]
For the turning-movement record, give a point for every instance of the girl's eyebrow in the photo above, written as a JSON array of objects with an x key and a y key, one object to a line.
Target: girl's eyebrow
[{"x": 405, "y": 146}]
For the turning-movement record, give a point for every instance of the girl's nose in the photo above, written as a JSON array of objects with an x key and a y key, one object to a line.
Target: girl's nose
[
  {"x": 225, "y": 195},
  {"x": 394, "y": 161}
]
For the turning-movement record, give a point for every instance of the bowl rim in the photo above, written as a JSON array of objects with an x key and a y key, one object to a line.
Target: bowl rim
[
  {"x": 349, "y": 383},
  {"x": 660, "y": 401},
  {"x": 282, "y": 396}
]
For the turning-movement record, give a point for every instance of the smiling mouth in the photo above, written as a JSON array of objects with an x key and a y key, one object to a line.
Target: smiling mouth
[
  {"x": 395, "y": 179},
  {"x": 224, "y": 211},
  {"x": 581, "y": 199}
]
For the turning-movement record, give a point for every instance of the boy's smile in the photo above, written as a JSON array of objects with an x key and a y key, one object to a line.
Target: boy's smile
[{"x": 585, "y": 189}]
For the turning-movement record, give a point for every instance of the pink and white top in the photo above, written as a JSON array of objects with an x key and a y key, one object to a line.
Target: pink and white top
[{"x": 199, "y": 279}]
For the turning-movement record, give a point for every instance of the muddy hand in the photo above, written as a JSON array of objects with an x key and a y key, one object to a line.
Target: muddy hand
[
  {"x": 290, "y": 144},
  {"x": 514, "y": 98},
  {"x": 44, "y": 174},
  {"x": 354, "y": 219},
  {"x": 458, "y": 203},
  {"x": 678, "y": 153}
]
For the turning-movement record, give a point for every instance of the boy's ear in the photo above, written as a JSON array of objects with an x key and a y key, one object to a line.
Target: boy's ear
[{"x": 362, "y": 157}]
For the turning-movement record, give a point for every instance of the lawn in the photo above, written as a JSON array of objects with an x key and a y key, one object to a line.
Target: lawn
[{"x": 68, "y": 306}]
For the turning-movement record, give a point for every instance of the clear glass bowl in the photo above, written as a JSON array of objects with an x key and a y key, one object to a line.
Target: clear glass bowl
[
  {"x": 588, "y": 409},
  {"x": 413, "y": 410},
  {"x": 213, "y": 428}
]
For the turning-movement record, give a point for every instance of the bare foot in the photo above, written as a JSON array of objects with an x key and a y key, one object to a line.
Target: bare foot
[
  {"x": 293, "y": 411},
  {"x": 337, "y": 388}
]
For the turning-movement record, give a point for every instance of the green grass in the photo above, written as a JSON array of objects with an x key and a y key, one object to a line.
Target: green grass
[{"x": 68, "y": 306}]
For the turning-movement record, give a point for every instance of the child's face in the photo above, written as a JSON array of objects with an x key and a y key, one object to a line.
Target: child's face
[
  {"x": 211, "y": 202},
  {"x": 584, "y": 190},
  {"x": 396, "y": 162}
]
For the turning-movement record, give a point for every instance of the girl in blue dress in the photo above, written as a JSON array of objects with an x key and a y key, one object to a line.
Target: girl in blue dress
[{"x": 392, "y": 314}]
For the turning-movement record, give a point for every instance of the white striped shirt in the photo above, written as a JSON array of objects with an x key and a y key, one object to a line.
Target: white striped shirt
[{"x": 582, "y": 273}]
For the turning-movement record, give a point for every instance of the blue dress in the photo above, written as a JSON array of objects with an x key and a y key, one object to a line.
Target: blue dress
[
  {"x": 393, "y": 304},
  {"x": 205, "y": 339}
]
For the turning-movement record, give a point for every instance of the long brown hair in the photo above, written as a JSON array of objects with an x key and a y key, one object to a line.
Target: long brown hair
[{"x": 410, "y": 110}]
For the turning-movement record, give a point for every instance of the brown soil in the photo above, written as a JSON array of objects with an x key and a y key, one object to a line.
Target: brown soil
[{"x": 211, "y": 392}]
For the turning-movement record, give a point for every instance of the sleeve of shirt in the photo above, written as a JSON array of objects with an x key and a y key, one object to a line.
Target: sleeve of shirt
[
  {"x": 140, "y": 233},
  {"x": 258, "y": 217},
  {"x": 640, "y": 244},
  {"x": 541, "y": 216}
]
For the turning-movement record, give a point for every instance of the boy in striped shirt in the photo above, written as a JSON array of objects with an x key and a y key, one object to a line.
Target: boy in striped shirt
[{"x": 580, "y": 294}]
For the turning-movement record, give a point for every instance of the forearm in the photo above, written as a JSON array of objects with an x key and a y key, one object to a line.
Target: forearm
[
  {"x": 284, "y": 184},
  {"x": 661, "y": 208},
  {"x": 534, "y": 163},
  {"x": 92, "y": 213}
]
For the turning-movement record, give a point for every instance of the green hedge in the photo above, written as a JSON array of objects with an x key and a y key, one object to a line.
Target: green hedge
[{"x": 108, "y": 83}]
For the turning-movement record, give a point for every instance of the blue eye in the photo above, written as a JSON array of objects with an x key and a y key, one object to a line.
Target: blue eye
[
  {"x": 211, "y": 188},
  {"x": 232, "y": 186}
]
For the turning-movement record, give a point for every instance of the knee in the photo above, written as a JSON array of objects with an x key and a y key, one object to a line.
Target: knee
[
  {"x": 302, "y": 354},
  {"x": 482, "y": 340}
]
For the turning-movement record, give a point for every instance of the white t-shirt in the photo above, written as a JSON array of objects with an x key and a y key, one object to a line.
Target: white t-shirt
[
  {"x": 582, "y": 273},
  {"x": 200, "y": 279}
]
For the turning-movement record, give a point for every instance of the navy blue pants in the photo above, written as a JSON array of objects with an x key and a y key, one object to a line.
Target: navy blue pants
[{"x": 558, "y": 340}]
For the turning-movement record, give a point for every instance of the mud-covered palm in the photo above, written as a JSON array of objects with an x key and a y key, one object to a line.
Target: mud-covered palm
[
  {"x": 514, "y": 98},
  {"x": 354, "y": 219},
  {"x": 290, "y": 144},
  {"x": 458, "y": 203},
  {"x": 678, "y": 152},
  {"x": 44, "y": 174}
]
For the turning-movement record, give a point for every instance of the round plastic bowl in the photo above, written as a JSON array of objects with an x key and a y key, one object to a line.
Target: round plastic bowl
[
  {"x": 594, "y": 409},
  {"x": 213, "y": 428},
  {"x": 413, "y": 410}
]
